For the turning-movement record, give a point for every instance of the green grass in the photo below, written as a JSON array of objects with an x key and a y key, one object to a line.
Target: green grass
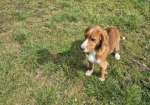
[{"x": 41, "y": 62}]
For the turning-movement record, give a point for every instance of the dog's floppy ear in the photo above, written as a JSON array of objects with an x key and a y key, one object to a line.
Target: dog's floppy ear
[{"x": 103, "y": 39}]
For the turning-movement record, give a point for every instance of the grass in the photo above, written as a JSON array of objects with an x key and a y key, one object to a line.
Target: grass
[{"x": 41, "y": 62}]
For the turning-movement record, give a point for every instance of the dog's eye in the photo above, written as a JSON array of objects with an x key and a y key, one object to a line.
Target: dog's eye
[
  {"x": 85, "y": 36},
  {"x": 92, "y": 39}
]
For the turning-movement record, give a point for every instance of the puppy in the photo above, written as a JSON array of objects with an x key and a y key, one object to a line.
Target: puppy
[{"x": 95, "y": 48}]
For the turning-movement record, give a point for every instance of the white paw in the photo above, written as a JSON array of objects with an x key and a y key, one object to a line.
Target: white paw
[
  {"x": 88, "y": 73},
  {"x": 102, "y": 79},
  {"x": 117, "y": 56},
  {"x": 124, "y": 38}
]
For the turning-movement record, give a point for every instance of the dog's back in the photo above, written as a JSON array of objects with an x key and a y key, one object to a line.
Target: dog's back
[
  {"x": 113, "y": 34},
  {"x": 114, "y": 37}
]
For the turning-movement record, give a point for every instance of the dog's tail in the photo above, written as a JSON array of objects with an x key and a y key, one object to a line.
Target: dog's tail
[{"x": 123, "y": 38}]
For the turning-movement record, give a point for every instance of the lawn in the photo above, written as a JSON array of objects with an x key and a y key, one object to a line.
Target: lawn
[{"x": 41, "y": 62}]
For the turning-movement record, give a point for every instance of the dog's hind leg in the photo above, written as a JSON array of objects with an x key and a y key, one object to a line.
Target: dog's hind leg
[{"x": 117, "y": 56}]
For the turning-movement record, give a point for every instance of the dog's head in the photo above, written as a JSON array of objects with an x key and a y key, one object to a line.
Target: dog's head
[{"x": 94, "y": 37}]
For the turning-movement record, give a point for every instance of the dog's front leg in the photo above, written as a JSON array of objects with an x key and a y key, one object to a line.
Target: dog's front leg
[
  {"x": 103, "y": 67},
  {"x": 91, "y": 68}
]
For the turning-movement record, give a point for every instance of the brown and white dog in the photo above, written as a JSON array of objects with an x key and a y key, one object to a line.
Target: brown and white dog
[{"x": 95, "y": 48}]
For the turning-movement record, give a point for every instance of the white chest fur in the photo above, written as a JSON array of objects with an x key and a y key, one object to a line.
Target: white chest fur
[{"x": 91, "y": 57}]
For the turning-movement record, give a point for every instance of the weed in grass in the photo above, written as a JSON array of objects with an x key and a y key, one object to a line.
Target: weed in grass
[
  {"x": 20, "y": 36},
  {"x": 22, "y": 15},
  {"x": 45, "y": 95},
  {"x": 19, "y": 15},
  {"x": 51, "y": 24},
  {"x": 49, "y": 67}
]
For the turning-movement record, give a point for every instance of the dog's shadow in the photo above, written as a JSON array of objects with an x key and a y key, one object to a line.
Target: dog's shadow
[{"x": 71, "y": 61}]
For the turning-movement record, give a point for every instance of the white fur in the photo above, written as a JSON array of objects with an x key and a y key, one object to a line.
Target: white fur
[
  {"x": 84, "y": 44},
  {"x": 98, "y": 61},
  {"x": 102, "y": 79},
  {"x": 91, "y": 31},
  {"x": 117, "y": 56},
  {"x": 91, "y": 57},
  {"x": 124, "y": 38},
  {"x": 88, "y": 73}
]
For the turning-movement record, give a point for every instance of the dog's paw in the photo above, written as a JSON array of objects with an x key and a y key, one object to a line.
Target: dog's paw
[
  {"x": 88, "y": 73},
  {"x": 101, "y": 79},
  {"x": 117, "y": 56}
]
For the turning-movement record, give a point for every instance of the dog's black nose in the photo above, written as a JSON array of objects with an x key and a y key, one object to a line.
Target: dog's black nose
[{"x": 81, "y": 48}]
